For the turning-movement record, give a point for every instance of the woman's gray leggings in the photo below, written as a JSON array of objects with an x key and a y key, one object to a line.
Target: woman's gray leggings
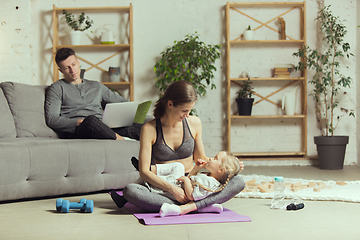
[{"x": 140, "y": 196}]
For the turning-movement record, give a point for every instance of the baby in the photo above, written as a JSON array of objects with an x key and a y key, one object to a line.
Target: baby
[{"x": 197, "y": 186}]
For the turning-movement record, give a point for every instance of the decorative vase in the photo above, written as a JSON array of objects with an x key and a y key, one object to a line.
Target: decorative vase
[
  {"x": 114, "y": 74},
  {"x": 289, "y": 102},
  {"x": 244, "y": 106},
  {"x": 331, "y": 151},
  {"x": 75, "y": 37},
  {"x": 249, "y": 35}
]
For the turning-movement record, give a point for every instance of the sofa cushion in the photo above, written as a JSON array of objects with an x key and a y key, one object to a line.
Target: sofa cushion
[
  {"x": 7, "y": 129},
  {"x": 26, "y": 103},
  {"x": 38, "y": 167}
]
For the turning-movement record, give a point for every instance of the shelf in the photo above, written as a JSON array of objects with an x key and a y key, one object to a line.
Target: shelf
[
  {"x": 125, "y": 46},
  {"x": 116, "y": 83},
  {"x": 267, "y": 116},
  {"x": 268, "y": 79},
  {"x": 93, "y": 9},
  {"x": 266, "y": 4},
  {"x": 272, "y": 154},
  {"x": 239, "y": 42},
  {"x": 288, "y": 42}
]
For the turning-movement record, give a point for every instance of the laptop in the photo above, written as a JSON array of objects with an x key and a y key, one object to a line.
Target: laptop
[{"x": 119, "y": 114}]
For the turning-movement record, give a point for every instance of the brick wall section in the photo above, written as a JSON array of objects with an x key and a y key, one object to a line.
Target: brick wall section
[{"x": 15, "y": 30}]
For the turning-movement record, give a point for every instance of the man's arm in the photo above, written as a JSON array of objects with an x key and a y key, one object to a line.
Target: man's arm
[
  {"x": 53, "y": 119},
  {"x": 109, "y": 96}
]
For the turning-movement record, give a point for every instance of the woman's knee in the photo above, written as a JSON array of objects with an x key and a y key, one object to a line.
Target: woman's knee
[
  {"x": 240, "y": 183},
  {"x": 132, "y": 189}
]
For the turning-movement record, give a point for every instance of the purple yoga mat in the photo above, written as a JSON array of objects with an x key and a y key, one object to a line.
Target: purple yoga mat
[{"x": 190, "y": 218}]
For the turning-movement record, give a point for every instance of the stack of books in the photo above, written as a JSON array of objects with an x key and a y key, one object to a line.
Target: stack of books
[{"x": 283, "y": 71}]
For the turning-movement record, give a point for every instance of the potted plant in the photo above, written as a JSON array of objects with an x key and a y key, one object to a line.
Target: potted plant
[
  {"x": 244, "y": 100},
  {"x": 79, "y": 25},
  {"x": 189, "y": 59},
  {"x": 248, "y": 33},
  {"x": 328, "y": 85}
]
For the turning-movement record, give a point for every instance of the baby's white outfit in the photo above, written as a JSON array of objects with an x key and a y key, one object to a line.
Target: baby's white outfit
[{"x": 169, "y": 172}]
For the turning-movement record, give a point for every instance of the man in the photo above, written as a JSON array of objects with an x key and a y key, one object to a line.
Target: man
[{"x": 73, "y": 106}]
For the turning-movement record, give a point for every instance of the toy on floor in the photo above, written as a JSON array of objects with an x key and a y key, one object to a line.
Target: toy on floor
[
  {"x": 65, "y": 205},
  {"x": 293, "y": 206}
]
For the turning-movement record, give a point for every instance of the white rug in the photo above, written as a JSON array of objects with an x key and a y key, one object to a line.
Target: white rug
[{"x": 325, "y": 190}]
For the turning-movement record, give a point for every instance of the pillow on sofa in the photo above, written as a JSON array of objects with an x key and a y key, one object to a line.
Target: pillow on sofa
[
  {"x": 7, "y": 129},
  {"x": 26, "y": 103}
]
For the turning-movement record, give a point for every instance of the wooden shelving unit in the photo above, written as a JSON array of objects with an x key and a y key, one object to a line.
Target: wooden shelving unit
[
  {"x": 115, "y": 48},
  {"x": 231, "y": 82}
]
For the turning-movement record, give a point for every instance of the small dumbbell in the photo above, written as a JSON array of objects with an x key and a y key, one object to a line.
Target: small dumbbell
[{"x": 65, "y": 205}]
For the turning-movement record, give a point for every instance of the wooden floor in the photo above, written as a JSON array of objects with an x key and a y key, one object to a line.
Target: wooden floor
[{"x": 328, "y": 220}]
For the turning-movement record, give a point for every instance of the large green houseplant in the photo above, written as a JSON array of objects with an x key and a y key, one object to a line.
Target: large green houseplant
[
  {"x": 189, "y": 59},
  {"x": 329, "y": 84}
]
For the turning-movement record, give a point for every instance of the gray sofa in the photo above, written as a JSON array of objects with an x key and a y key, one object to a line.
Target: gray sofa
[{"x": 34, "y": 162}]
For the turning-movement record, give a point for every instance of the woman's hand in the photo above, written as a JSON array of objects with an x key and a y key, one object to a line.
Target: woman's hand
[{"x": 179, "y": 194}]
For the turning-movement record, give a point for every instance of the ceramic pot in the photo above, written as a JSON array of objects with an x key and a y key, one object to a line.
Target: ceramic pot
[
  {"x": 249, "y": 35},
  {"x": 244, "y": 106},
  {"x": 331, "y": 151},
  {"x": 75, "y": 37}
]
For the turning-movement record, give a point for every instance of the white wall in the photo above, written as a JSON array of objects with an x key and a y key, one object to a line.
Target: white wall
[
  {"x": 26, "y": 46},
  {"x": 357, "y": 49}
]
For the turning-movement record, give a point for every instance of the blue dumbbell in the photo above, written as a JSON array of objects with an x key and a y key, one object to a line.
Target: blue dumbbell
[{"x": 65, "y": 205}]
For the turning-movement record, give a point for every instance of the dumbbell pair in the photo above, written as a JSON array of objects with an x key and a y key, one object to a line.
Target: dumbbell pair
[{"x": 65, "y": 205}]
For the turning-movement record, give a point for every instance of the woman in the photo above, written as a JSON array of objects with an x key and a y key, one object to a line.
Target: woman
[{"x": 173, "y": 136}]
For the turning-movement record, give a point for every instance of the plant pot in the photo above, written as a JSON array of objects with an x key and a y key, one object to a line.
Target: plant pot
[
  {"x": 244, "y": 106},
  {"x": 249, "y": 35},
  {"x": 331, "y": 151},
  {"x": 75, "y": 37}
]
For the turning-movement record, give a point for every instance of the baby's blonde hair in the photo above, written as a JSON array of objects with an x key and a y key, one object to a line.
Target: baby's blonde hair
[{"x": 231, "y": 166}]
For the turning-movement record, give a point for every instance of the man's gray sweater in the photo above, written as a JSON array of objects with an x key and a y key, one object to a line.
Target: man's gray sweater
[{"x": 65, "y": 103}]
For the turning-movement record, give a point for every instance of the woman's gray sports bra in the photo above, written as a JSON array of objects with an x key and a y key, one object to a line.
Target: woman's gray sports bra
[{"x": 162, "y": 152}]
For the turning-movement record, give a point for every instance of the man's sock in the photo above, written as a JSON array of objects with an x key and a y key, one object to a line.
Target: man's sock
[
  {"x": 169, "y": 210},
  {"x": 215, "y": 208},
  {"x": 120, "y": 201}
]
